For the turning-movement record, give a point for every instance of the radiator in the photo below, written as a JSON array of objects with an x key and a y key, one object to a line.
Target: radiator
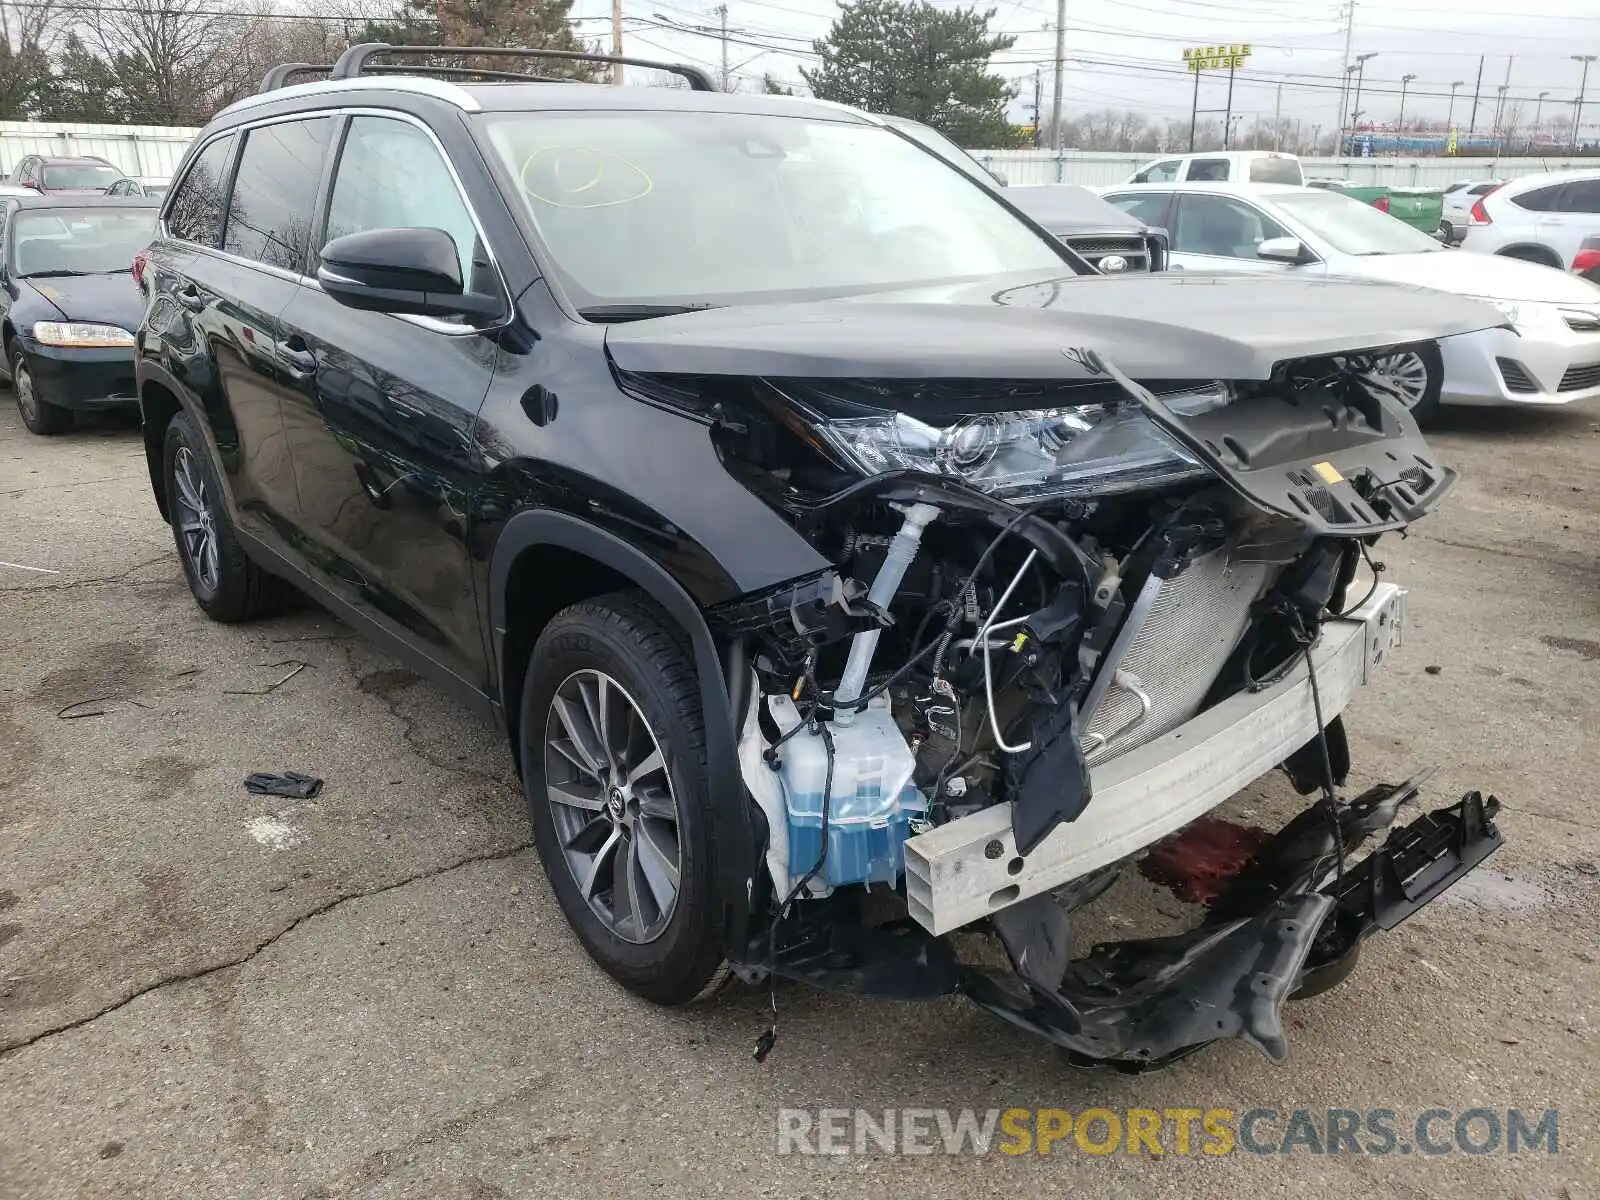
[{"x": 1195, "y": 622}]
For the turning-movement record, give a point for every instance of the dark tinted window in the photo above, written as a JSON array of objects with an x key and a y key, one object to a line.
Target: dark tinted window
[
  {"x": 195, "y": 214},
  {"x": 1545, "y": 199},
  {"x": 1482, "y": 189},
  {"x": 1582, "y": 196},
  {"x": 1208, "y": 170},
  {"x": 275, "y": 192}
]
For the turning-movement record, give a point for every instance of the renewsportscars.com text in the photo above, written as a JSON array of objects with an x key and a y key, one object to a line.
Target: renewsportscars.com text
[{"x": 1180, "y": 1131}]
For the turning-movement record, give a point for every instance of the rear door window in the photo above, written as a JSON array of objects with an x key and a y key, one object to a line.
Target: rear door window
[
  {"x": 1544, "y": 199},
  {"x": 195, "y": 214},
  {"x": 270, "y": 212},
  {"x": 1208, "y": 170},
  {"x": 1276, "y": 170},
  {"x": 1582, "y": 196}
]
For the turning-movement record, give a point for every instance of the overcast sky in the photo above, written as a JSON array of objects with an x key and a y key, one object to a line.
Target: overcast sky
[{"x": 1128, "y": 53}]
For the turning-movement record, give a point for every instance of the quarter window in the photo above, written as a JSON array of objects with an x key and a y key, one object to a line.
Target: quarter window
[
  {"x": 275, "y": 193},
  {"x": 195, "y": 214},
  {"x": 391, "y": 176},
  {"x": 1545, "y": 199}
]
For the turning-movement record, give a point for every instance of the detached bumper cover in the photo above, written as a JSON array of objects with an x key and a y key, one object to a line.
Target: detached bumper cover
[
  {"x": 970, "y": 868},
  {"x": 1141, "y": 1004}
]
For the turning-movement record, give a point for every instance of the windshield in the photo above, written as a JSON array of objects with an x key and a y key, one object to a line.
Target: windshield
[
  {"x": 81, "y": 177},
  {"x": 1276, "y": 170},
  {"x": 945, "y": 149},
  {"x": 64, "y": 241},
  {"x": 718, "y": 208},
  {"x": 1352, "y": 227}
]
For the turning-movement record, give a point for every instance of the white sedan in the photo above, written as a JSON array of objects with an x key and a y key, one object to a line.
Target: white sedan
[{"x": 1549, "y": 354}]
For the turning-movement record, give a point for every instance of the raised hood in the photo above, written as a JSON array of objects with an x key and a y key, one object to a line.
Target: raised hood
[{"x": 1152, "y": 326}]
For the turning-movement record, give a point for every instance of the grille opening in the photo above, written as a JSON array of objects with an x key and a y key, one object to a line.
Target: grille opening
[
  {"x": 1515, "y": 375},
  {"x": 1578, "y": 378}
]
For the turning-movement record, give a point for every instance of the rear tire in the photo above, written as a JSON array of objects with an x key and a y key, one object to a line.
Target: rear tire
[
  {"x": 225, "y": 583},
  {"x": 610, "y": 686},
  {"x": 38, "y": 414}
]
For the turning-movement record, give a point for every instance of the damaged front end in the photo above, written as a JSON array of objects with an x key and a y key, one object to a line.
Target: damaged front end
[{"x": 1065, "y": 617}]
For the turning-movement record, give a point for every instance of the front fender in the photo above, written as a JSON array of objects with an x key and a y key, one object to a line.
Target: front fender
[{"x": 734, "y": 853}]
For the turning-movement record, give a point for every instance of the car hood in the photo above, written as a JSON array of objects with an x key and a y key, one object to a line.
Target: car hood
[
  {"x": 103, "y": 299},
  {"x": 1067, "y": 208},
  {"x": 1487, "y": 276},
  {"x": 1152, "y": 326}
]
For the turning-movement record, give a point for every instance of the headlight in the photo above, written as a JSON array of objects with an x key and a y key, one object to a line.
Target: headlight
[
  {"x": 1034, "y": 454},
  {"x": 73, "y": 333}
]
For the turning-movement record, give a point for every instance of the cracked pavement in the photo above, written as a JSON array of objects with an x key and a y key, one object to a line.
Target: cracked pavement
[{"x": 205, "y": 993}]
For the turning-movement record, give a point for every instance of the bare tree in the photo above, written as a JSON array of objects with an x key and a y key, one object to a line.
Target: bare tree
[{"x": 174, "y": 59}]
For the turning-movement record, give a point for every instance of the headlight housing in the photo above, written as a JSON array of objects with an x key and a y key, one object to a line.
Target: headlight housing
[
  {"x": 81, "y": 334},
  {"x": 1025, "y": 455}
]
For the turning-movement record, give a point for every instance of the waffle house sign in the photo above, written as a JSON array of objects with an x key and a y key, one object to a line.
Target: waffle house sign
[{"x": 1216, "y": 58}]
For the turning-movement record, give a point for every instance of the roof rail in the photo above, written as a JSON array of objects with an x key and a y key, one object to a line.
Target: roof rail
[
  {"x": 353, "y": 60},
  {"x": 281, "y": 74}
]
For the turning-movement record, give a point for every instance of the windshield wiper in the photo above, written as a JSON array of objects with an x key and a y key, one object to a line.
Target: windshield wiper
[
  {"x": 59, "y": 274},
  {"x": 639, "y": 312}
]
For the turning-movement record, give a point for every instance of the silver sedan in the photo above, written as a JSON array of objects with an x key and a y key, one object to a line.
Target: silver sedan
[{"x": 1548, "y": 353}]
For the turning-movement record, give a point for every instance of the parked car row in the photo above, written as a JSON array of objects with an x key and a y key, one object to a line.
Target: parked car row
[
  {"x": 853, "y": 552},
  {"x": 80, "y": 175}
]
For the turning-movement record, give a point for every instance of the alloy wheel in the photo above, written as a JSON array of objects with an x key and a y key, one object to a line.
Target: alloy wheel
[
  {"x": 27, "y": 397},
  {"x": 1406, "y": 373},
  {"x": 196, "y": 522},
  {"x": 613, "y": 804}
]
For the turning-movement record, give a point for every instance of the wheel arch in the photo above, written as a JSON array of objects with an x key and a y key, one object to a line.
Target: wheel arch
[
  {"x": 1531, "y": 252},
  {"x": 545, "y": 560},
  {"x": 158, "y": 405}
]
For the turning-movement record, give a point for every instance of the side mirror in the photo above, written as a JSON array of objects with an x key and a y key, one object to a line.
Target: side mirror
[
  {"x": 412, "y": 271},
  {"x": 1283, "y": 249}
]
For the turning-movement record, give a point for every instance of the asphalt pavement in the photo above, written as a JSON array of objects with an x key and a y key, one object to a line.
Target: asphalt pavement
[{"x": 206, "y": 993}]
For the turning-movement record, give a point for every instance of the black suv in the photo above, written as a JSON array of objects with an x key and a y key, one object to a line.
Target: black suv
[{"x": 847, "y": 562}]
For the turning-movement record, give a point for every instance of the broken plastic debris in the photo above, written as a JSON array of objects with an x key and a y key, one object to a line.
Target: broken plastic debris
[{"x": 291, "y": 783}]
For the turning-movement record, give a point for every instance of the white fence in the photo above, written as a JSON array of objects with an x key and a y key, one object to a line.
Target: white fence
[
  {"x": 156, "y": 150},
  {"x": 1096, "y": 168},
  {"x": 135, "y": 149}
]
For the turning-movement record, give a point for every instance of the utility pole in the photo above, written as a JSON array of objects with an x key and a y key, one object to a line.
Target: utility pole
[
  {"x": 1500, "y": 105},
  {"x": 1577, "y": 107},
  {"x": 1277, "y": 120},
  {"x": 616, "y": 40},
  {"x": 722, "y": 11},
  {"x": 1349, "y": 15},
  {"x": 1472, "y": 123},
  {"x": 1400, "y": 122},
  {"x": 1194, "y": 109},
  {"x": 1038, "y": 96},
  {"x": 1227, "y": 120},
  {"x": 1061, "y": 67},
  {"x": 1450, "y": 117}
]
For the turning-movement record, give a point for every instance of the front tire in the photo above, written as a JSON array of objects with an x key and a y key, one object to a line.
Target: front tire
[
  {"x": 38, "y": 414},
  {"x": 225, "y": 583},
  {"x": 1418, "y": 373},
  {"x": 614, "y": 769}
]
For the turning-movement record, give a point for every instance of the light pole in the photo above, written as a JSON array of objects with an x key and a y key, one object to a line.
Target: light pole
[
  {"x": 1400, "y": 122},
  {"x": 1577, "y": 108},
  {"x": 1361, "y": 73},
  {"x": 1450, "y": 117}
]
